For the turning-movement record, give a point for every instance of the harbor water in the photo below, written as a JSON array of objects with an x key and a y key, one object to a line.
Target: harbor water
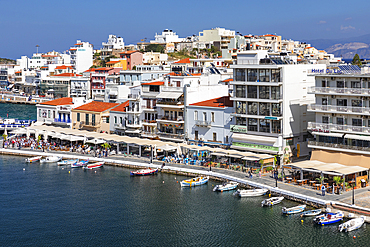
[
  {"x": 20, "y": 111},
  {"x": 48, "y": 205}
]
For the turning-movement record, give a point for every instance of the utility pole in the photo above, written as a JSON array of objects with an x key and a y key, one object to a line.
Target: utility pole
[{"x": 37, "y": 49}]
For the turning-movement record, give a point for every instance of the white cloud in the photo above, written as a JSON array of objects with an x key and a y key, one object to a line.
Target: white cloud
[
  {"x": 322, "y": 22},
  {"x": 348, "y": 19},
  {"x": 347, "y": 28}
]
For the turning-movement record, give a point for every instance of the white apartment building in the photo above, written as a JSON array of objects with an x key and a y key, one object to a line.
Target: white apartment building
[
  {"x": 209, "y": 121},
  {"x": 82, "y": 56},
  {"x": 154, "y": 58},
  {"x": 167, "y": 36},
  {"x": 113, "y": 43},
  {"x": 80, "y": 87},
  {"x": 342, "y": 110},
  {"x": 220, "y": 35},
  {"x": 270, "y": 103}
]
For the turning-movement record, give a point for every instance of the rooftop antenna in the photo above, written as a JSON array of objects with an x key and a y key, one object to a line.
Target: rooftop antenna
[{"x": 37, "y": 49}]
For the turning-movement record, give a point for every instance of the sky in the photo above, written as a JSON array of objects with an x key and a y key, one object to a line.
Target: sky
[{"x": 56, "y": 25}]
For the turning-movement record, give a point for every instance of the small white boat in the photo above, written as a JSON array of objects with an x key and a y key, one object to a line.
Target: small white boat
[
  {"x": 194, "y": 181},
  {"x": 67, "y": 162},
  {"x": 144, "y": 172},
  {"x": 252, "y": 192},
  {"x": 294, "y": 210},
  {"x": 272, "y": 201},
  {"x": 311, "y": 213},
  {"x": 226, "y": 186},
  {"x": 95, "y": 165},
  {"x": 33, "y": 159},
  {"x": 51, "y": 159},
  {"x": 351, "y": 225},
  {"x": 80, "y": 164}
]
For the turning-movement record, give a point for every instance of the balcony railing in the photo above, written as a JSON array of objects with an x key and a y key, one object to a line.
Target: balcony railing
[
  {"x": 148, "y": 107},
  {"x": 94, "y": 124},
  {"x": 202, "y": 123},
  {"x": 134, "y": 96},
  {"x": 149, "y": 121},
  {"x": 336, "y": 127},
  {"x": 361, "y": 91},
  {"x": 178, "y": 103},
  {"x": 120, "y": 126},
  {"x": 178, "y": 119},
  {"x": 335, "y": 108},
  {"x": 337, "y": 146},
  {"x": 58, "y": 120},
  {"x": 169, "y": 135}
]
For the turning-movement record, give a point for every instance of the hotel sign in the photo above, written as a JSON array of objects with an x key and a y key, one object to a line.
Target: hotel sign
[
  {"x": 256, "y": 146},
  {"x": 325, "y": 71},
  {"x": 238, "y": 128}
]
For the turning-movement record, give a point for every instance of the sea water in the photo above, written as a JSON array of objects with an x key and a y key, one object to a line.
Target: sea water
[
  {"x": 49, "y": 205},
  {"x": 20, "y": 111}
]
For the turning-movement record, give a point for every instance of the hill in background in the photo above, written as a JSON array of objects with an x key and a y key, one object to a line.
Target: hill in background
[{"x": 7, "y": 61}]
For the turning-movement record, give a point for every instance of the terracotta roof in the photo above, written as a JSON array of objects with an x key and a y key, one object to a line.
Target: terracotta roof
[
  {"x": 67, "y": 74},
  {"x": 309, "y": 47},
  {"x": 63, "y": 67},
  {"x": 61, "y": 101},
  {"x": 121, "y": 107},
  {"x": 96, "y": 106},
  {"x": 103, "y": 68},
  {"x": 227, "y": 80},
  {"x": 221, "y": 102},
  {"x": 185, "y": 60},
  {"x": 48, "y": 55},
  {"x": 113, "y": 62},
  {"x": 90, "y": 70},
  {"x": 73, "y": 49},
  {"x": 154, "y": 83},
  {"x": 128, "y": 52},
  {"x": 78, "y": 44},
  {"x": 268, "y": 35},
  {"x": 18, "y": 72},
  {"x": 196, "y": 74}
]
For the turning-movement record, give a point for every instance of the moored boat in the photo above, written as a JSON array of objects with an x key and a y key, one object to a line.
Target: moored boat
[
  {"x": 33, "y": 159},
  {"x": 80, "y": 163},
  {"x": 252, "y": 192},
  {"x": 311, "y": 213},
  {"x": 226, "y": 186},
  {"x": 67, "y": 162},
  {"x": 294, "y": 210},
  {"x": 194, "y": 181},
  {"x": 143, "y": 172},
  {"x": 95, "y": 165},
  {"x": 329, "y": 218},
  {"x": 272, "y": 201},
  {"x": 352, "y": 224},
  {"x": 51, "y": 159}
]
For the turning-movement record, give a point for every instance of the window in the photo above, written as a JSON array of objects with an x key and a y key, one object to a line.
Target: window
[
  {"x": 325, "y": 119},
  {"x": 40, "y": 113},
  {"x": 196, "y": 135},
  {"x": 214, "y": 137},
  {"x": 276, "y": 109},
  {"x": 87, "y": 118},
  {"x": 239, "y": 75},
  {"x": 356, "y": 121},
  {"x": 252, "y": 108},
  {"x": 241, "y": 121},
  {"x": 252, "y": 124},
  {"x": 264, "y": 109},
  {"x": 204, "y": 116},
  {"x": 78, "y": 117},
  {"x": 276, "y": 126},
  {"x": 341, "y": 102},
  {"x": 212, "y": 117},
  {"x": 252, "y": 75},
  {"x": 115, "y": 119},
  {"x": 178, "y": 84},
  {"x": 275, "y": 93},
  {"x": 264, "y": 75},
  {"x": 195, "y": 115},
  {"x": 355, "y": 84},
  {"x": 240, "y": 91},
  {"x": 340, "y": 121},
  {"x": 356, "y": 103},
  {"x": 264, "y": 125},
  {"x": 107, "y": 119},
  {"x": 324, "y": 101},
  {"x": 240, "y": 107},
  {"x": 264, "y": 92},
  {"x": 227, "y": 139},
  {"x": 340, "y": 84},
  {"x": 275, "y": 75},
  {"x": 53, "y": 114},
  {"x": 48, "y": 113},
  {"x": 252, "y": 92},
  {"x": 120, "y": 120}
]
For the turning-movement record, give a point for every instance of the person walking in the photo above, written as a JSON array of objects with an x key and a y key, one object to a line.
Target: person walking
[
  {"x": 323, "y": 190},
  {"x": 210, "y": 168}
]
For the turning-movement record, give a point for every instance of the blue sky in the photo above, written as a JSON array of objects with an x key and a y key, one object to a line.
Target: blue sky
[{"x": 56, "y": 25}]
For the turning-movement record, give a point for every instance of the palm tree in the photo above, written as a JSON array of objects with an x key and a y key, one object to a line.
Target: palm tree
[
  {"x": 338, "y": 181},
  {"x": 321, "y": 179}
]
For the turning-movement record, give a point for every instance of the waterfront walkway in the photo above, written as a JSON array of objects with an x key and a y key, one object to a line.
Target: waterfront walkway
[{"x": 291, "y": 191}]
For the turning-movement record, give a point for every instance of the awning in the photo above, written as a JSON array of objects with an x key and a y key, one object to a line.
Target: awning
[
  {"x": 132, "y": 131},
  {"x": 112, "y": 93},
  {"x": 251, "y": 158},
  {"x": 219, "y": 154},
  {"x": 169, "y": 95},
  {"x": 167, "y": 147},
  {"x": 255, "y": 139},
  {"x": 357, "y": 137},
  {"x": 95, "y": 141},
  {"x": 237, "y": 156},
  {"x": 328, "y": 134},
  {"x": 328, "y": 168}
]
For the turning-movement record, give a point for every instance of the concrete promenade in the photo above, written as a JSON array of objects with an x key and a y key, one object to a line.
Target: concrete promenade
[{"x": 294, "y": 192}]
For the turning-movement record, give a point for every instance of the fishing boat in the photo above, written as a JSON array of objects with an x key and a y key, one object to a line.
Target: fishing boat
[
  {"x": 80, "y": 164},
  {"x": 95, "y": 165},
  {"x": 226, "y": 186},
  {"x": 67, "y": 162},
  {"x": 311, "y": 213},
  {"x": 194, "y": 181},
  {"x": 272, "y": 201},
  {"x": 352, "y": 224},
  {"x": 33, "y": 159},
  {"x": 51, "y": 159},
  {"x": 143, "y": 172},
  {"x": 252, "y": 192},
  {"x": 329, "y": 218},
  {"x": 293, "y": 210}
]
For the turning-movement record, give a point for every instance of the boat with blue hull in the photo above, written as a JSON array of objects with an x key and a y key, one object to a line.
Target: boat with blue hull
[
  {"x": 194, "y": 182},
  {"x": 293, "y": 210},
  {"x": 67, "y": 162},
  {"x": 329, "y": 218},
  {"x": 313, "y": 212},
  {"x": 226, "y": 186},
  {"x": 80, "y": 164}
]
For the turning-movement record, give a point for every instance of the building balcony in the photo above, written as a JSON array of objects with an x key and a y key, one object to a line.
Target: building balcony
[
  {"x": 202, "y": 123},
  {"x": 133, "y": 124},
  {"x": 133, "y": 110},
  {"x": 324, "y": 127},
  {"x": 134, "y": 97},
  {"x": 148, "y": 108},
  {"x": 339, "y": 91},
  {"x": 149, "y": 122},
  {"x": 62, "y": 121},
  {"x": 272, "y": 116},
  {"x": 170, "y": 104},
  {"x": 120, "y": 126},
  {"x": 149, "y": 134},
  {"x": 89, "y": 124},
  {"x": 170, "y": 119},
  {"x": 339, "y": 109},
  {"x": 338, "y": 147},
  {"x": 170, "y": 136}
]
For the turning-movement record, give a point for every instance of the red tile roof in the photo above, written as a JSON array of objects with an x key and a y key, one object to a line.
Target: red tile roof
[
  {"x": 309, "y": 47},
  {"x": 73, "y": 49},
  {"x": 154, "y": 83},
  {"x": 221, "y": 102},
  {"x": 103, "y": 68},
  {"x": 90, "y": 70},
  {"x": 227, "y": 80},
  {"x": 268, "y": 35},
  {"x": 196, "y": 74},
  {"x": 48, "y": 55},
  {"x": 67, "y": 75},
  {"x": 113, "y": 62},
  {"x": 121, "y": 107},
  {"x": 61, "y": 101},
  {"x": 185, "y": 60},
  {"x": 17, "y": 72},
  {"x": 96, "y": 106},
  {"x": 78, "y": 44},
  {"x": 63, "y": 67},
  {"x": 128, "y": 52}
]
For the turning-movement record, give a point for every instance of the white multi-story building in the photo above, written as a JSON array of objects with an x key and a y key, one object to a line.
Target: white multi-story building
[
  {"x": 114, "y": 44},
  {"x": 220, "y": 35},
  {"x": 167, "y": 36},
  {"x": 82, "y": 56},
  {"x": 209, "y": 121},
  {"x": 270, "y": 102},
  {"x": 80, "y": 87}
]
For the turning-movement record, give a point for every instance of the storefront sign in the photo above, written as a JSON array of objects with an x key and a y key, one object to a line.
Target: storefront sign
[
  {"x": 271, "y": 118},
  {"x": 238, "y": 128},
  {"x": 256, "y": 146}
]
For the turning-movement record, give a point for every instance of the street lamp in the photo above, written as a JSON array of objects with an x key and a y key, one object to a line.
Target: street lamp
[{"x": 353, "y": 192}]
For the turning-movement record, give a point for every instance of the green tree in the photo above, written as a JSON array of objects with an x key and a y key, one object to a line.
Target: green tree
[
  {"x": 321, "y": 179},
  {"x": 356, "y": 60},
  {"x": 155, "y": 48}
]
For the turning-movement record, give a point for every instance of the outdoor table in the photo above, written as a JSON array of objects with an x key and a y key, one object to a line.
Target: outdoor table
[
  {"x": 301, "y": 182},
  {"x": 312, "y": 183},
  {"x": 289, "y": 179},
  {"x": 318, "y": 186}
]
